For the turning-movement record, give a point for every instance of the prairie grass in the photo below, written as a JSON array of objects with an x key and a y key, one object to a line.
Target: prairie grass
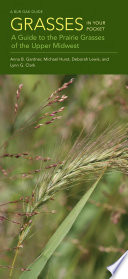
[{"x": 79, "y": 161}]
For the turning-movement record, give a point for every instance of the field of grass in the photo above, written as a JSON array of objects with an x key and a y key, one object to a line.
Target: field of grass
[{"x": 32, "y": 155}]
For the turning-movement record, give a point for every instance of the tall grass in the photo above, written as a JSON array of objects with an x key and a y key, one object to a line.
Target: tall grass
[{"x": 88, "y": 158}]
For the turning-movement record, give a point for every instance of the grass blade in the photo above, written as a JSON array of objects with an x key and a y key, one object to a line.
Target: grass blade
[{"x": 37, "y": 266}]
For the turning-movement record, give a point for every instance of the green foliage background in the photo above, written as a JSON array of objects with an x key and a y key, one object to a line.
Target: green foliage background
[{"x": 99, "y": 236}]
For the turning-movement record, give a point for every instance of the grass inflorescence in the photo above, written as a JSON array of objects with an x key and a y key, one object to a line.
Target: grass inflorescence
[{"x": 88, "y": 159}]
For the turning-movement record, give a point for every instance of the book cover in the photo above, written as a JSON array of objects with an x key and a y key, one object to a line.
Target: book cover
[{"x": 63, "y": 139}]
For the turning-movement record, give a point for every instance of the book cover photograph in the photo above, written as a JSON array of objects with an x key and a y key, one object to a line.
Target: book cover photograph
[{"x": 63, "y": 140}]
